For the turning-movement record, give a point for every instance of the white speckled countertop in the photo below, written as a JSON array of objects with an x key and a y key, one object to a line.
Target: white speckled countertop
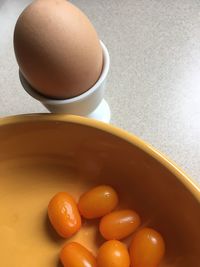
[{"x": 154, "y": 82}]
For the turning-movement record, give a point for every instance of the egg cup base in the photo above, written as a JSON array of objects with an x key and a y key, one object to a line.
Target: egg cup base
[{"x": 102, "y": 112}]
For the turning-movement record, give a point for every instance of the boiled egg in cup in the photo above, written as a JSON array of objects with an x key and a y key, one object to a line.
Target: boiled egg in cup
[{"x": 62, "y": 62}]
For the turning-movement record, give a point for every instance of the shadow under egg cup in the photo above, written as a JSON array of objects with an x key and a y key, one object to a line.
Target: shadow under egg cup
[{"x": 90, "y": 104}]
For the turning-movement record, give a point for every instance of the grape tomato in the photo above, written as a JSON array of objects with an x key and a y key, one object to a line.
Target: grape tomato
[
  {"x": 147, "y": 248},
  {"x": 98, "y": 202},
  {"x": 64, "y": 215},
  {"x": 119, "y": 224}
]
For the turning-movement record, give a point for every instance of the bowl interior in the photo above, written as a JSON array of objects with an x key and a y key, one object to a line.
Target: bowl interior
[{"x": 43, "y": 155}]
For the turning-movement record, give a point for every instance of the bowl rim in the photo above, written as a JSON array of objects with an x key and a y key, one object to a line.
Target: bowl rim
[{"x": 187, "y": 181}]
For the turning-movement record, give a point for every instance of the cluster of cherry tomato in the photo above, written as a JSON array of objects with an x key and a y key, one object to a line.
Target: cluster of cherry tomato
[{"x": 147, "y": 246}]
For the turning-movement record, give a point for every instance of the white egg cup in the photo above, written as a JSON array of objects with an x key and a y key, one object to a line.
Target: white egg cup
[{"x": 89, "y": 104}]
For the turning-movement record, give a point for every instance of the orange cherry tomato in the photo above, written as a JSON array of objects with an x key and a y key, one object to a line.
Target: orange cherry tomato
[
  {"x": 119, "y": 224},
  {"x": 147, "y": 248},
  {"x": 75, "y": 255},
  {"x": 64, "y": 215},
  {"x": 113, "y": 253},
  {"x": 98, "y": 202}
]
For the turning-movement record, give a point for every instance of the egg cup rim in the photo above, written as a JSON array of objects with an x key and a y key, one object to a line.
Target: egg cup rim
[{"x": 31, "y": 91}]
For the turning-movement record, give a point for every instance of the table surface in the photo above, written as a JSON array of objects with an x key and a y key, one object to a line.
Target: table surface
[{"x": 153, "y": 86}]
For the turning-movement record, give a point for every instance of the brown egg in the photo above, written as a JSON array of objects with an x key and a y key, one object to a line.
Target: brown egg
[{"x": 57, "y": 49}]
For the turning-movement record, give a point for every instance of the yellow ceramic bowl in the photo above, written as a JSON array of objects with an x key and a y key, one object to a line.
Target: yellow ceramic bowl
[{"x": 43, "y": 154}]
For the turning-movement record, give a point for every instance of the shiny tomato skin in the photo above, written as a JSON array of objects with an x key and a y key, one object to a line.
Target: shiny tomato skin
[
  {"x": 147, "y": 248},
  {"x": 75, "y": 255},
  {"x": 113, "y": 253},
  {"x": 119, "y": 224},
  {"x": 98, "y": 202},
  {"x": 64, "y": 215}
]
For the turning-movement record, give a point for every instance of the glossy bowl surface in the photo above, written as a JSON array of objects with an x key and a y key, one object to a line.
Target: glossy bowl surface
[{"x": 43, "y": 154}]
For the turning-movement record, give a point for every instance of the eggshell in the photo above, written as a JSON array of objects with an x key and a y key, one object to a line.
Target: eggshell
[{"x": 57, "y": 49}]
